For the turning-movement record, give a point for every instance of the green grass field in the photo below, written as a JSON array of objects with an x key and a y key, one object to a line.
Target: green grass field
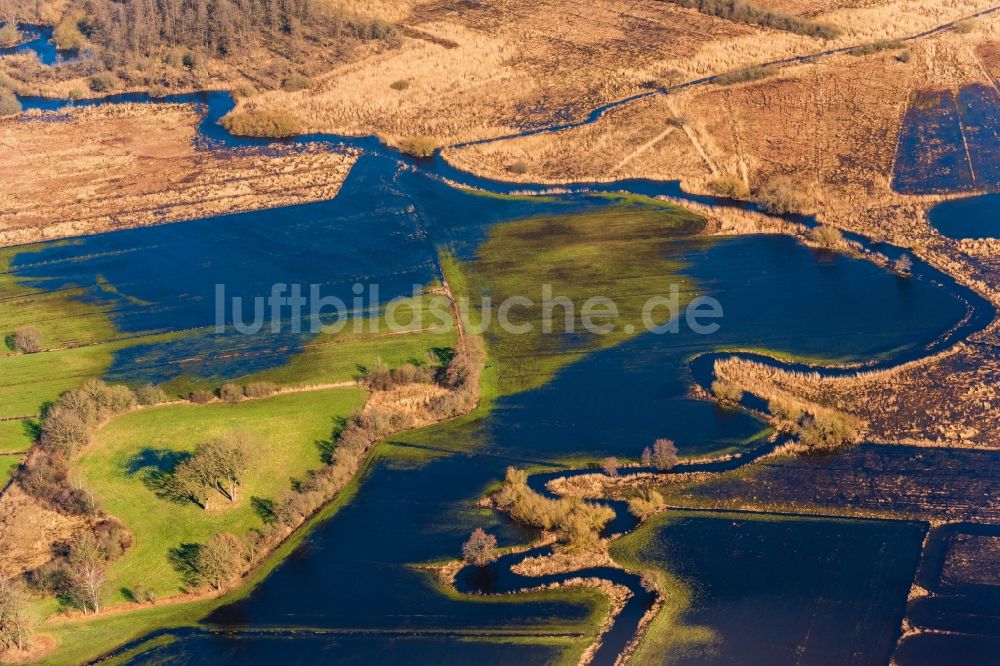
[
  {"x": 289, "y": 429},
  {"x": 8, "y": 463},
  {"x": 622, "y": 253}
]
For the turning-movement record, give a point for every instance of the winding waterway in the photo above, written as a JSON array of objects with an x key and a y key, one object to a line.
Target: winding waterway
[{"x": 351, "y": 592}]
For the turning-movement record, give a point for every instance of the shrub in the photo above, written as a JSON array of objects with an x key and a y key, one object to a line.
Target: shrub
[
  {"x": 743, "y": 75},
  {"x": 151, "y": 395},
  {"x": 67, "y": 34},
  {"x": 231, "y": 393},
  {"x": 480, "y": 549},
  {"x": 730, "y": 186},
  {"x": 519, "y": 167},
  {"x": 779, "y": 196},
  {"x": 676, "y": 121},
  {"x": 827, "y": 431},
  {"x": 903, "y": 265},
  {"x": 826, "y": 236},
  {"x": 200, "y": 397},
  {"x": 783, "y": 408},
  {"x": 273, "y": 124},
  {"x": 76, "y": 93},
  {"x": 27, "y": 339},
  {"x": 295, "y": 83},
  {"x": 9, "y": 104},
  {"x": 664, "y": 454},
  {"x": 964, "y": 27},
  {"x": 904, "y": 57},
  {"x": 103, "y": 82},
  {"x": 646, "y": 504},
  {"x": 401, "y": 84},
  {"x": 726, "y": 391},
  {"x": 260, "y": 389},
  {"x": 64, "y": 431},
  {"x": 610, "y": 466},
  {"x": 9, "y": 34},
  {"x": 244, "y": 91},
  {"x": 876, "y": 47},
  {"x": 419, "y": 146},
  {"x": 158, "y": 91}
]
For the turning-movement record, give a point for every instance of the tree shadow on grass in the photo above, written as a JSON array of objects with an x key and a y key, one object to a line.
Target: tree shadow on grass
[
  {"x": 184, "y": 559},
  {"x": 32, "y": 428},
  {"x": 156, "y": 468},
  {"x": 264, "y": 508}
]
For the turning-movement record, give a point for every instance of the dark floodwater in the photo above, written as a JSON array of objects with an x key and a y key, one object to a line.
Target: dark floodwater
[
  {"x": 786, "y": 591},
  {"x": 350, "y": 586},
  {"x": 973, "y": 217}
]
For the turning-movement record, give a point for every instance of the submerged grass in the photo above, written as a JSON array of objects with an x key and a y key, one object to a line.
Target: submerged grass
[{"x": 622, "y": 253}]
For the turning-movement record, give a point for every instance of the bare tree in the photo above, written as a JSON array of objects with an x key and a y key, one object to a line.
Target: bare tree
[
  {"x": 227, "y": 460},
  {"x": 647, "y": 457},
  {"x": 480, "y": 549},
  {"x": 610, "y": 466},
  {"x": 88, "y": 571},
  {"x": 664, "y": 453},
  {"x": 15, "y": 623},
  {"x": 219, "y": 561},
  {"x": 28, "y": 340}
]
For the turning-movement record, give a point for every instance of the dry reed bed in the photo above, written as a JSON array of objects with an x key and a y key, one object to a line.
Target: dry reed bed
[{"x": 134, "y": 165}]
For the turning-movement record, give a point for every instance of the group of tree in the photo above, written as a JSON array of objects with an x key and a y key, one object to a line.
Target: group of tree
[
  {"x": 663, "y": 455},
  {"x": 120, "y": 31},
  {"x": 219, "y": 464},
  {"x": 67, "y": 426}
]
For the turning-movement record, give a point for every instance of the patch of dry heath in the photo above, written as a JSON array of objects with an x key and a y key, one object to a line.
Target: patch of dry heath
[
  {"x": 467, "y": 71},
  {"x": 28, "y": 530},
  {"x": 96, "y": 169}
]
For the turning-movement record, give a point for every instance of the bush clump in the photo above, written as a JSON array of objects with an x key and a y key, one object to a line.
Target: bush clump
[
  {"x": 780, "y": 195},
  {"x": 9, "y": 104},
  {"x": 27, "y": 339},
  {"x": 103, "y": 82},
  {"x": 200, "y": 397},
  {"x": 68, "y": 33},
  {"x": 730, "y": 186},
  {"x": 419, "y": 146},
  {"x": 743, "y": 75},
  {"x": 260, "y": 389},
  {"x": 295, "y": 83},
  {"x": 10, "y": 35},
  {"x": 727, "y": 391},
  {"x": 827, "y": 237},
  {"x": 271, "y": 124},
  {"x": 401, "y": 84},
  {"x": 230, "y": 393},
  {"x": 151, "y": 395}
]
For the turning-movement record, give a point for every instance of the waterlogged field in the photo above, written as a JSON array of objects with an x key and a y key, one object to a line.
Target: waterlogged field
[
  {"x": 357, "y": 583},
  {"x": 948, "y": 141},
  {"x": 757, "y": 588}
]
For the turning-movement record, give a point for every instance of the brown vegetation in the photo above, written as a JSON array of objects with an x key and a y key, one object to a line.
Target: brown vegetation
[
  {"x": 133, "y": 165},
  {"x": 270, "y": 124}
]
